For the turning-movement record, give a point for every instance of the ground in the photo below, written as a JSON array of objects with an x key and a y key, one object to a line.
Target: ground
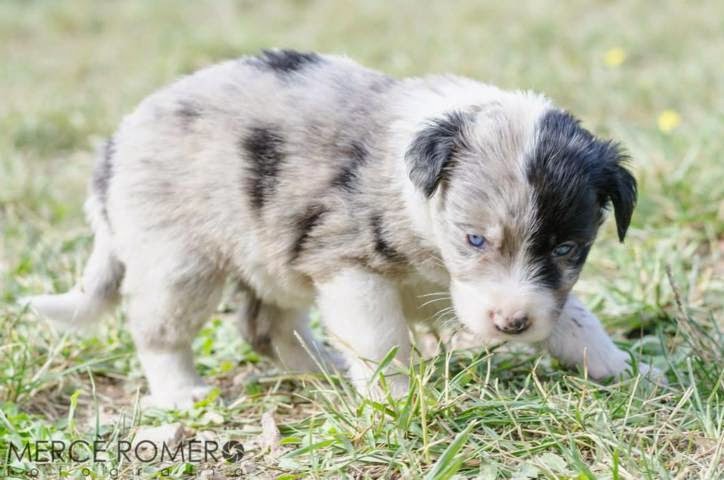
[{"x": 648, "y": 74}]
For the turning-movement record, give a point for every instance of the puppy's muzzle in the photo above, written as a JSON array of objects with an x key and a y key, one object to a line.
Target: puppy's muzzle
[{"x": 511, "y": 325}]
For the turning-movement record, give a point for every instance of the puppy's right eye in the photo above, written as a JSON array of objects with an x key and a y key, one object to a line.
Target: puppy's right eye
[
  {"x": 564, "y": 249},
  {"x": 476, "y": 241}
]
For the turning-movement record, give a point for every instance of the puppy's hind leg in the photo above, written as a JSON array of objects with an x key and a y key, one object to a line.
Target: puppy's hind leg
[
  {"x": 282, "y": 335},
  {"x": 167, "y": 304}
]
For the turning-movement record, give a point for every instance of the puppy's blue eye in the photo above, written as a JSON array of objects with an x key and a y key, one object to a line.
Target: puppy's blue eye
[
  {"x": 564, "y": 249},
  {"x": 477, "y": 241}
]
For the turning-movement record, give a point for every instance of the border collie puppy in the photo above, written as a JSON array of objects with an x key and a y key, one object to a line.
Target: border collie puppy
[{"x": 310, "y": 179}]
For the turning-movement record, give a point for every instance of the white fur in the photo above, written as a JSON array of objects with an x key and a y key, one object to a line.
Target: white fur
[
  {"x": 172, "y": 377},
  {"x": 364, "y": 317}
]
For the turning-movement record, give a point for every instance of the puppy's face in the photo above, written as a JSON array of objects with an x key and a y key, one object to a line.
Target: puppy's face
[{"x": 517, "y": 196}]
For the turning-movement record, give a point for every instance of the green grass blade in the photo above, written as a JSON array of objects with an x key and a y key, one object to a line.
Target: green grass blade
[{"x": 449, "y": 462}]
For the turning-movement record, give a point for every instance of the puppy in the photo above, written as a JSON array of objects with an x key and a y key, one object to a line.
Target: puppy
[{"x": 311, "y": 179}]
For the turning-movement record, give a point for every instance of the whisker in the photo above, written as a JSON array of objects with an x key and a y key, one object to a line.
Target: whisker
[
  {"x": 439, "y": 293},
  {"x": 434, "y": 294},
  {"x": 441, "y": 313},
  {"x": 451, "y": 322},
  {"x": 433, "y": 301}
]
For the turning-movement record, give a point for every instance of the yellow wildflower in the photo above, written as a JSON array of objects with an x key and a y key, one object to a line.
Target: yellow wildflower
[
  {"x": 615, "y": 57},
  {"x": 668, "y": 120}
]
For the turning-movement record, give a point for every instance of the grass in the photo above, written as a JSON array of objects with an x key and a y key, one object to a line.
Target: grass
[{"x": 648, "y": 75}]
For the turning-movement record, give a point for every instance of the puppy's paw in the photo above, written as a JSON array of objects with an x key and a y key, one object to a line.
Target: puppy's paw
[
  {"x": 618, "y": 365},
  {"x": 605, "y": 365}
]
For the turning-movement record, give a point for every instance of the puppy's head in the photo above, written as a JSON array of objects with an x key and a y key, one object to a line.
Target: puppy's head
[{"x": 517, "y": 191}]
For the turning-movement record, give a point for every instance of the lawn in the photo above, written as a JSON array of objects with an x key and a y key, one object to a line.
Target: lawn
[{"x": 646, "y": 73}]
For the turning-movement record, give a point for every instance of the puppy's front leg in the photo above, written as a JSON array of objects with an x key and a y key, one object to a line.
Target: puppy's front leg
[
  {"x": 363, "y": 314},
  {"x": 579, "y": 339}
]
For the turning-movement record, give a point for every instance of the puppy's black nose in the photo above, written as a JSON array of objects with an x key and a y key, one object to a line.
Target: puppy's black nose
[{"x": 518, "y": 323}]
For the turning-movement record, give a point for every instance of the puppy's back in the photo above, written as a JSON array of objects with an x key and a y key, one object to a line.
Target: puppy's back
[{"x": 231, "y": 157}]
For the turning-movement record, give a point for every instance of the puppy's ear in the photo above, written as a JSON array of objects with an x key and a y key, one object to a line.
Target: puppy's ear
[
  {"x": 430, "y": 154},
  {"x": 618, "y": 186}
]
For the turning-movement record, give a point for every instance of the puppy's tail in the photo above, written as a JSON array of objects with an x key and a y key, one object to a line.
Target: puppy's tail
[{"x": 98, "y": 290}]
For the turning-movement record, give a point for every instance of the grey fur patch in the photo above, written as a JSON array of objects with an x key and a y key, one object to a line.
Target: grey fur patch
[
  {"x": 188, "y": 112},
  {"x": 383, "y": 84},
  {"x": 254, "y": 328},
  {"x": 264, "y": 149},
  {"x": 347, "y": 178},
  {"x": 260, "y": 341},
  {"x": 102, "y": 174}
]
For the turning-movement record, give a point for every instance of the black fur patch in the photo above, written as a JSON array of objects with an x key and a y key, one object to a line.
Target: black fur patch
[
  {"x": 311, "y": 219},
  {"x": 382, "y": 247},
  {"x": 265, "y": 152},
  {"x": 285, "y": 61},
  {"x": 102, "y": 174},
  {"x": 356, "y": 155},
  {"x": 574, "y": 176},
  {"x": 430, "y": 154}
]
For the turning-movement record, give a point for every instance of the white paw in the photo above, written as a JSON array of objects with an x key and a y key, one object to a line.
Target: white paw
[
  {"x": 618, "y": 365},
  {"x": 604, "y": 365},
  {"x": 180, "y": 399}
]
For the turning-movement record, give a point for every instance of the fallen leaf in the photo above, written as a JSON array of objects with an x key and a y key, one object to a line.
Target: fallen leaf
[
  {"x": 169, "y": 434},
  {"x": 270, "y": 436}
]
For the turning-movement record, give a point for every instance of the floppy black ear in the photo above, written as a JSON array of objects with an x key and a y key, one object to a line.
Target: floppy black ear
[
  {"x": 431, "y": 151},
  {"x": 619, "y": 187}
]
